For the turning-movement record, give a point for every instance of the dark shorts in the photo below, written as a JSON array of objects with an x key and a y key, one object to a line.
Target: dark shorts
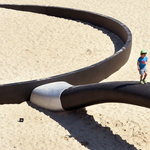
[{"x": 142, "y": 71}]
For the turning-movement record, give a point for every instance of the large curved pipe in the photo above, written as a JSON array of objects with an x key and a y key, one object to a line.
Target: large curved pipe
[
  {"x": 129, "y": 92},
  {"x": 70, "y": 97},
  {"x": 19, "y": 92}
]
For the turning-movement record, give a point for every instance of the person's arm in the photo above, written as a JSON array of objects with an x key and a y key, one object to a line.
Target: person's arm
[
  {"x": 146, "y": 62},
  {"x": 138, "y": 65}
]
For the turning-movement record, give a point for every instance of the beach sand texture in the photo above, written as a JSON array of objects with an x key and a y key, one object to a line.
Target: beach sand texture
[{"x": 34, "y": 46}]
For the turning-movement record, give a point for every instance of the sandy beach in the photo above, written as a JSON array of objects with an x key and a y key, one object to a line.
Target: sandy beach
[{"x": 34, "y": 46}]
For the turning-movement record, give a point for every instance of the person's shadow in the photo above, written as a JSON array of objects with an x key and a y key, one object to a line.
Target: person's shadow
[{"x": 86, "y": 130}]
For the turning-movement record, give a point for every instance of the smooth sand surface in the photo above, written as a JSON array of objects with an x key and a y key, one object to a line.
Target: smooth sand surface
[{"x": 36, "y": 46}]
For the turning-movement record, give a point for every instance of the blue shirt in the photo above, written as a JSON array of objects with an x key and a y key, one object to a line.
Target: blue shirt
[{"x": 142, "y": 61}]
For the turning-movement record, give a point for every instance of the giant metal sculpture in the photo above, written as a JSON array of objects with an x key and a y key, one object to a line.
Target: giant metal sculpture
[{"x": 58, "y": 93}]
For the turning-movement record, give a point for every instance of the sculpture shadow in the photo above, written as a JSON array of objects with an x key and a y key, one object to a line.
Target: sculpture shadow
[
  {"x": 117, "y": 42},
  {"x": 86, "y": 130}
]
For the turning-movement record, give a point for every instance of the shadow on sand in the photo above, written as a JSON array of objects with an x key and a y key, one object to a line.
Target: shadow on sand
[{"x": 86, "y": 130}]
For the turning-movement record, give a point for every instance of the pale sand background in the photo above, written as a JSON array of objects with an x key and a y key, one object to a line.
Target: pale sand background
[{"x": 35, "y": 46}]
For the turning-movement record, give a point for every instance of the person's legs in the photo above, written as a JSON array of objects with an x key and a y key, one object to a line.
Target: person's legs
[
  {"x": 141, "y": 77},
  {"x": 145, "y": 75},
  {"x": 141, "y": 71},
  {"x": 145, "y": 70},
  {"x": 144, "y": 80}
]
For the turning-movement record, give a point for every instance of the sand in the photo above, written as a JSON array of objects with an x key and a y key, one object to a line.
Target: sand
[{"x": 37, "y": 46}]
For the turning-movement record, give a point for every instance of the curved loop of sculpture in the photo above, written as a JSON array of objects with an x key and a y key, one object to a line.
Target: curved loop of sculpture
[{"x": 19, "y": 92}]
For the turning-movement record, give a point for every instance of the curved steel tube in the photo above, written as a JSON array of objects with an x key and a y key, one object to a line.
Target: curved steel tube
[
  {"x": 130, "y": 92},
  {"x": 19, "y": 92},
  {"x": 71, "y": 97}
]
